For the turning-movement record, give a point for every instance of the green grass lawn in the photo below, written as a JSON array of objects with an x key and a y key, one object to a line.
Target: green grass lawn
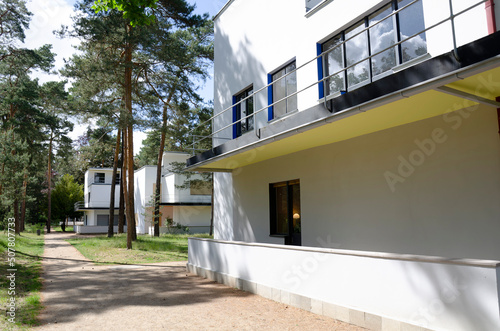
[
  {"x": 28, "y": 283},
  {"x": 166, "y": 248}
]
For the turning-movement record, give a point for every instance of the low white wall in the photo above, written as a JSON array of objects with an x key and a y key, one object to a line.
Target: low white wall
[
  {"x": 96, "y": 229},
  {"x": 192, "y": 229},
  {"x": 430, "y": 292}
]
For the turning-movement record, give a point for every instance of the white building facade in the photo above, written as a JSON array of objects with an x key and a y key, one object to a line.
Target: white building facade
[
  {"x": 95, "y": 207},
  {"x": 189, "y": 207},
  {"x": 358, "y": 158}
]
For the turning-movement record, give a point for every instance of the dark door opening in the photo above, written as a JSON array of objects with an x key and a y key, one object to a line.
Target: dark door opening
[{"x": 285, "y": 211}]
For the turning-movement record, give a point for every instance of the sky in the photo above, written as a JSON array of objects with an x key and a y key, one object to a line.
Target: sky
[{"x": 49, "y": 15}]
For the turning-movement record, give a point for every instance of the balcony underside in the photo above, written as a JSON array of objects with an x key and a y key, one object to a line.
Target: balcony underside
[{"x": 411, "y": 95}]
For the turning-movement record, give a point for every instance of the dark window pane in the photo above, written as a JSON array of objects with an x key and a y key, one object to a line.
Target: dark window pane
[
  {"x": 243, "y": 109},
  {"x": 382, "y": 35},
  {"x": 249, "y": 110},
  {"x": 411, "y": 21},
  {"x": 334, "y": 61},
  {"x": 99, "y": 178},
  {"x": 357, "y": 50},
  {"x": 296, "y": 208},
  {"x": 281, "y": 210}
]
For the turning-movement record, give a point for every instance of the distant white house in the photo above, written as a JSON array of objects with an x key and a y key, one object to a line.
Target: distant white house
[
  {"x": 95, "y": 207},
  {"x": 189, "y": 207}
]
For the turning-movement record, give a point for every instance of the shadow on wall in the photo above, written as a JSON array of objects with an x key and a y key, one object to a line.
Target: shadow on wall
[
  {"x": 223, "y": 206},
  {"x": 235, "y": 69},
  {"x": 453, "y": 295}
]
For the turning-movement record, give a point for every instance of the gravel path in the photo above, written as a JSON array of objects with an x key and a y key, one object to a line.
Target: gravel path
[{"x": 79, "y": 295}]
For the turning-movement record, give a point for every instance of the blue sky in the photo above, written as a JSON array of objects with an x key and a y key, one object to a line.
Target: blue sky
[{"x": 49, "y": 15}]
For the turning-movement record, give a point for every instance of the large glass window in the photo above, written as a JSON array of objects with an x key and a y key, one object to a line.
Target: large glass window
[
  {"x": 382, "y": 35},
  {"x": 374, "y": 36},
  {"x": 356, "y": 49},
  {"x": 283, "y": 88},
  {"x": 243, "y": 109},
  {"x": 334, "y": 63},
  {"x": 411, "y": 22}
]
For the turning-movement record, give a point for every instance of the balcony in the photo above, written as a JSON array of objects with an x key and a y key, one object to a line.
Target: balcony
[{"x": 458, "y": 68}]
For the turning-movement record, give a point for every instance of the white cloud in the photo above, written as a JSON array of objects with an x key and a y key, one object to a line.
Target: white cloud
[{"x": 49, "y": 15}]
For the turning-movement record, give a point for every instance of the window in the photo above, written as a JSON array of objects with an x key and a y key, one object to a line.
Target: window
[
  {"x": 117, "y": 179},
  {"x": 310, "y": 4},
  {"x": 351, "y": 47},
  {"x": 200, "y": 187},
  {"x": 241, "y": 110},
  {"x": 282, "y": 88},
  {"x": 99, "y": 178},
  {"x": 285, "y": 211}
]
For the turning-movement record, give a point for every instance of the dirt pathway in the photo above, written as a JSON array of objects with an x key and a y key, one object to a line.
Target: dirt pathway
[{"x": 79, "y": 295}]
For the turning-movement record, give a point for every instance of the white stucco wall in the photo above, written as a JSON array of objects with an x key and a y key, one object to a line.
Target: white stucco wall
[
  {"x": 431, "y": 293},
  {"x": 99, "y": 193},
  {"x": 170, "y": 181},
  {"x": 255, "y": 38},
  {"x": 445, "y": 206},
  {"x": 223, "y": 206},
  {"x": 143, "y": 186}
]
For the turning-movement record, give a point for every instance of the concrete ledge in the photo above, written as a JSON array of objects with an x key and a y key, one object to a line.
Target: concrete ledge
[
  {"x": 378, "y": 255},
  {"x": 352, "y": 316},
  {"x": 95, "y": 229}
]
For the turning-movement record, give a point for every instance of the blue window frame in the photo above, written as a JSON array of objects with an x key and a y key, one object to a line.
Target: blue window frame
[{"x": 241, "y": 110}]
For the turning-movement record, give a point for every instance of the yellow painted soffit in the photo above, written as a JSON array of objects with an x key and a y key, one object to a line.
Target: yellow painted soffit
[{"x": 415, "y": 108}]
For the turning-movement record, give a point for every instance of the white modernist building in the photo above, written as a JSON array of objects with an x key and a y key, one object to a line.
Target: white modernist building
[
  {"x": 358, "y": 156},
  {"x": 189, "y": 207},
  {"x": 95, "y": 207}
]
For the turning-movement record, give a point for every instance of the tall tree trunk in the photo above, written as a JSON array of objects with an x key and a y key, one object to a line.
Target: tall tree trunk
[
  {"x": 113, "y": 186},
  {"x": 126, "y": 194},
  {"x": 130, "y": 140},
  {"x": 156, "y": 218},
  {"x": 121, "y": 213},
  {"x": 49, "y": 182}
]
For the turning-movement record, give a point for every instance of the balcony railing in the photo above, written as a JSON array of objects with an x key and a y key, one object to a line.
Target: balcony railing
[
  {"x": 321, "y": 58},
  {"x": 79, "y": 205},
  {"x": 93, "y": 204}
]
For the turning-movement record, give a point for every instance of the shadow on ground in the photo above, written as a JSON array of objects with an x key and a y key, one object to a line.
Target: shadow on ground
[{"x": 75, "y": 286}]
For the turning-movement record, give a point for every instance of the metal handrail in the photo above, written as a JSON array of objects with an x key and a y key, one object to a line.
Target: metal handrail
[{"x": 451, "y": 18}]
